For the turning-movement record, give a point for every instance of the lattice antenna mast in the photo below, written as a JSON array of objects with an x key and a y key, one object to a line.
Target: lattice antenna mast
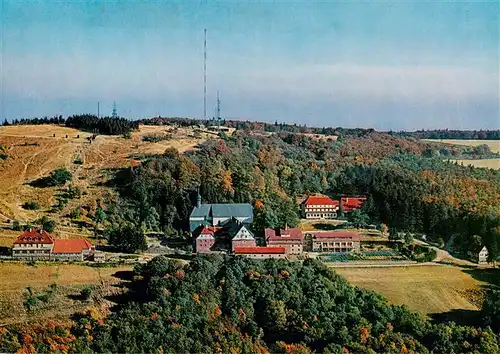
[
  {"x": 218, "y": 109},
  {"x": 114, "y": 114},
  {"x": 205, "y": 76}
]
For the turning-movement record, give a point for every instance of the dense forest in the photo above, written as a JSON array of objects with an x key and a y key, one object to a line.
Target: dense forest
[
  {"x": 407, "y": 188},
  {"x": 235, "y": 305},
  {"x": 104, "y": 125},
  {"x": 85, "y": 122}
]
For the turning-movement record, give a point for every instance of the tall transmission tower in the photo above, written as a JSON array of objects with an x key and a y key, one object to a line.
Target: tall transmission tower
[
  {"x": 114, "y": 114},
  {"x": 218, "y": 108},
  {"x": 205, "y": 76}
]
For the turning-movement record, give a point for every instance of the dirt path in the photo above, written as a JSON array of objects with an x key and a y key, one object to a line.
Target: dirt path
[{"x": 442, "y": 255}]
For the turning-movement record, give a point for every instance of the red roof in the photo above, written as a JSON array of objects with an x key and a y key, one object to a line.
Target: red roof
[
  {"x": 71, "y": 246},
  {"x": 320, "y": 200},
  {"x": 293, "y": 234},
  {"x": 350, "y": 203},
  {"x": 337, "y": 234},
  {"x": 259, "y": 250},
  {"x": 35, "y": 236}
]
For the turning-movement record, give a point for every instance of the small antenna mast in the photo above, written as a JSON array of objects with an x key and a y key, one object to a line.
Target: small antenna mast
[{"x": 205, "y": 76}]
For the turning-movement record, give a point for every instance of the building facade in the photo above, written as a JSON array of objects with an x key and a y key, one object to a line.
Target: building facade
[
  {"x": 71, "y": 250},
  {"x": 483, "y": 256},
  {"x": 242, "y": 238},
  {"x": 36, "y": 244},
  {"x": 206, "y": 239},
  {"x": 320, "y": 207},
  {"x": 33, "y": 244},
  {"x": 335, "y": 241},
  {"x": 292, "y": 239},
  {"x": 260, "y": 252}
]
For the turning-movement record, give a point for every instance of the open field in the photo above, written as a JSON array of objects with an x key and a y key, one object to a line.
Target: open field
[
  {"x": 483, "y": 163},
  {"x": 33, "y": 152},
  {"x": 493, "y": 144},
  {"x": 70, "y": 278},
  {"x": 426, "y": 289}
]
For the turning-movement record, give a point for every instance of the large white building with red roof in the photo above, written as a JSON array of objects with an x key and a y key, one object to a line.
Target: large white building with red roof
[
  {"x": 37, "y": 244},
  {"x": 320, "y": 207},
  {"x": 292, "y": 239},
  {"x": 335, "y": 241}
]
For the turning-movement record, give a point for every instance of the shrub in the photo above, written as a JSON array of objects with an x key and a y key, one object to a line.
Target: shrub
[
  {"x": 86, "y": 293},
  {"x": 32, "y": 205},
  {"x": 46, "y": 223},
  {"x": 3, "y": 156},
  {"x": 154, "y": 138},
  {"x": 16, "y": 225},
  {"x": 56, "y": 178},
  {"x": 78, "y": 161},
  {"x": 75, "y": 213}
]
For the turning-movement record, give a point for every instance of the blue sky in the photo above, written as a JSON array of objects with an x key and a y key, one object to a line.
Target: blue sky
[{"x": 387, "y": 65}]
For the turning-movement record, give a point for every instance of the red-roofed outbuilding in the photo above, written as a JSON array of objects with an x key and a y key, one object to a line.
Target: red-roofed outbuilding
[{"x": 351, "y": 203}]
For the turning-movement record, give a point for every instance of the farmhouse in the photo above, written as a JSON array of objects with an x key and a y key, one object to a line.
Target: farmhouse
[
  {"x": 260, "y": 252},
  {"x": 335, "y": 241},
  {"x": 320, "y": 207},
  {"x": 37, "y": 244},
  {"x": 291, "y": 239},
  {"x": 482, "y": 257},
  {"x": 217, "y": 215}
]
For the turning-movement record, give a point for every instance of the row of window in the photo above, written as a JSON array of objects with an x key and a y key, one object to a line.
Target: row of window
[
  {"x": 33, "y": 245},
  {"x": 327, "y": 215},
  {"x": 31, "y": 252},
  {"x": 334, "y": 244}
]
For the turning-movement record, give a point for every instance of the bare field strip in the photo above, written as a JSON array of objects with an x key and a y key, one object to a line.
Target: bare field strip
[
  {"x": 70, "y": 278},
  {"x": 483, "y": 163},
  {"x": 426, "y": 289},
  {"x": 494, "y": 145}
]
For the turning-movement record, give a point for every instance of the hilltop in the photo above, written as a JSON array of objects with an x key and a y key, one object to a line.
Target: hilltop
[{"x": 33, "y": 151}]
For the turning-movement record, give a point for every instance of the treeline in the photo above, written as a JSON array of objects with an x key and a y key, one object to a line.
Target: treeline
[
  {"x": 85, "y": 122},
  {"x": 104, "y": 125},
  {"x": 236, "y": 305},
  {"x": 35, "y": 121},
  {"x": 247, "y": 125},
  {"x": 452, "y": 134}
]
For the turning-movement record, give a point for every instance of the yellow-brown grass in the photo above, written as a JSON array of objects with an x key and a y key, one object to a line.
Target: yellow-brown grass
[
  {"x": 426, "y": 289},
  {"x": 27, "y": 163},
  {"x": 70, "y": 278},
  {"x": 483, "y": 163},
  {"x": 494, "y": 145}
]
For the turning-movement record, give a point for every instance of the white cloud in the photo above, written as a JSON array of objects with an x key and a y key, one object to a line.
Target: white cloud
[{"x": 154, "y": 76}]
